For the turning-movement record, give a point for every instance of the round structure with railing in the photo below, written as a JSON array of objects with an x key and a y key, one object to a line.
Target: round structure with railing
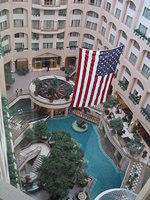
[
  {"x": 44, "y": 99},
  {"x": 116, "y": 194}
]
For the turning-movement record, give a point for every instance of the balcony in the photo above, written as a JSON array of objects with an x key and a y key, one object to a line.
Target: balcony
[
  {"x": 123, "y": 85},
  {"x": 134, "y": 98},
  {"x": 142, "y": 36},
  {"x": 146, "y": 114}
]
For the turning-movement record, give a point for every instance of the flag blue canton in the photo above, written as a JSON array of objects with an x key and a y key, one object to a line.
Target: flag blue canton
[{"x": 108, "y": 61}]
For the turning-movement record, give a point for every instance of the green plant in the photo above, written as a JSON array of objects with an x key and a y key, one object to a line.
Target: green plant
[
  {"x": 69, "y": 70},
  {"x": 11, "y": 159},
  {"x": 111, "y": 102},
  {"x": 40, "y": 129},
  {"x": 62, "y": 68},
  {"x": 116, "y": 124},
  {"x": 8, "y": 76},
  {"x": 60, "y": 170},
  {"x": 29, "y": 134},
  {"x": 22, "y": 70},
  {"x": 37, "y": 82}
]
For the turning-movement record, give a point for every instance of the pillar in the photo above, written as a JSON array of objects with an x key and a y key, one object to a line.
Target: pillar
[
  {"x": 52, "y": 113},
  {"x": 32, "y": 105},
  {"x": 66, "y": 111}
]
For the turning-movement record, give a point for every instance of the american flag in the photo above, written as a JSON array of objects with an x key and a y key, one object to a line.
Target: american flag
[{"x": 94, "y": 75}]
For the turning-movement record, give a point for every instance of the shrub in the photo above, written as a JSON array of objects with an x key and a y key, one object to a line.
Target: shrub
[
  {"x": 29, "y": 134},
  {"x": 8, "y": 76},
  {"x": 22, "y": 71},
  {"x": 116, "y": 124},
  {"x": 40, "y": 129},
  {"x": 110, "y": 103}
]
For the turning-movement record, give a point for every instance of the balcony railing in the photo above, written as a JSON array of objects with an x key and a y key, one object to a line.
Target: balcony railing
[
  {"x": 145, "y": 113},
  {"x": 123, "y": 85},
  {"x": 142, "y": 35},
  {"x": 134, "y": 98}
]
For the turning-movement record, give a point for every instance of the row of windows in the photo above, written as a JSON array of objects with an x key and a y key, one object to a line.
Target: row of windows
[
  {"x": 36, "y": 12},
  {"x": 59, "y": 45}
]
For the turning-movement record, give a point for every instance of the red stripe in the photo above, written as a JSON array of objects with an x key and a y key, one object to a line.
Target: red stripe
[
  {"x": 77, "y": 77},
  {"x": 83, "y": 77},
  {"x": 99, "y": 89},
  {"x": 89, "y": 78},
  {"x": 109, "y": 87},
  {"x": 101, "y": 101},
  {"x": 93, "y": 90}
]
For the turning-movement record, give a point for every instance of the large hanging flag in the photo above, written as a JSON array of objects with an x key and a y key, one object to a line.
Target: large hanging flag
[{"x": 94, "y": 75}]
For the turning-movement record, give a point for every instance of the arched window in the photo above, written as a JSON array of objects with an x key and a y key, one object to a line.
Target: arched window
[
  {"x": 124, "y": 35},
  {"x": 77, "y": 12},
  {"x": 92, "y": 14},
  {"x": 89, "y": 36},
  {"x": 74, "y": 34},
  {"x": 132, "y": 5},
  {"x": 136, "y": 45}
]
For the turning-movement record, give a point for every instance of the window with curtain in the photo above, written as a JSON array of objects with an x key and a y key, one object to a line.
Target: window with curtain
[
  {"x": 18, "y": 22},
  {"x": 132, "y": 58},
  {"x": 146, "y": 13},
  {"x": 48, "y": 24},
  {"x": 128, "y": 21}
]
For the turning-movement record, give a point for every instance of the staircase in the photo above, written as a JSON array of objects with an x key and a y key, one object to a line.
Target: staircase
[{"x": 37, "y": 164}]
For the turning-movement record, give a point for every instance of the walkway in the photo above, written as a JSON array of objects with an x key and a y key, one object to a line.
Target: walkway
[{"x": 24, "y": 81}]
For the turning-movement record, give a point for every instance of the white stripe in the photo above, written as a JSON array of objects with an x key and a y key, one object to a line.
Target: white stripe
[
  {"x": 93, "y": 78},
  {"x": 102, "y": 88},
  {"x": 86, "y": 77},
  {"x": 80, "y": 77},
  {"x": 96, "y": 90},
  {"x": 107, "y": 87}
]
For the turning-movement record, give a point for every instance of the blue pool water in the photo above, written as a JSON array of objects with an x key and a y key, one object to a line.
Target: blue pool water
[{"x": 100, "y": 166}]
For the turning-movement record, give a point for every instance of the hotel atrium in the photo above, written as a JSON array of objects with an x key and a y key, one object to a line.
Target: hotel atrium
[{"x": 109, "y": 153}]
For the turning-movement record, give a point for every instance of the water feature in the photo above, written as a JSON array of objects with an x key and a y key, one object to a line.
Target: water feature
[{"x": 100, "y": 166}]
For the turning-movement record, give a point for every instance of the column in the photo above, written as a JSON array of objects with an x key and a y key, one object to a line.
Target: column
[
  {"x": 66, "y": 111},
  {"x": 32, "y": 105},
  {"x": 52, "y": 113}
]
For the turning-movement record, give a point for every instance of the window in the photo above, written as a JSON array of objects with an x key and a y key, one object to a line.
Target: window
[
  {"x": 73, "y": 44},
  {"x": 77, "y": 12},
  {"x": 3, "y": 25},
  {"x": 60, "y": 35},
  {"x": 49, "y": 2},
  {"x": 111, "y": 39},
  {"x": 128, "y": 21},
  {"x": 145, "y": 71},
  {"x": 92, "y": 14},
  {"x": 62, "y": 12},
  {"x": 120, "y": 1},
  {"x": 89, "y": 36},
  {"x": 143, "y": 29},
  {"x": 18, "y": 11},
  {"x": 108, "y": 5},
  {"x": 3, "y": 12},
  {"x": 75, "y": 23},
  {"x": 86, "y": 45},
  {"x": 49, "y": 12},
  {"x": 35, "y": 24},
  {"x": 19, "y": 35},
  {"x": 18, "y": 22},
  {"x": 78, "y": 1},
  {"x": 59, "y": 45},
  {"x": 125, "y": 81},
  {"x": 91, "y": 25},
  {"x": 127, "y": 70},
  {"x": 146, "y": 13},
  {"x": 35, "y": 12},
  {"x": 74, "y": 34},
  {"x": 132, "y": 58},
  {"x": 124, "y": 35},
  {"x": 103, "y": 30},
  {"x": 147, "y": 110},
  {"x": 19, "y": 45},
  {"x": 136, "y": 45},
  {"x": 114, "y": 27},
  {"x": 48, "y": 24},
  {"x": 48, "y": 36},
  {"x": 117, "y": 13},
  {"x": 35, "y": 36},
  {"x": 47, "y": 45},
  {"x": 96, "y": 2},
  {"x": 35, "y": 46},
  {"x": 132, "y": 6},
  {"x": 140, "y": 84},
  {"x": 61, "y": 23}
]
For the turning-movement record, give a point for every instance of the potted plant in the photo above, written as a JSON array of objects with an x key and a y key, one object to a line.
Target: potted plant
[
  {"x": 117, "y": 125},
  {"x": 67, "y": 97},
  {"x": 37, "y": 83}
]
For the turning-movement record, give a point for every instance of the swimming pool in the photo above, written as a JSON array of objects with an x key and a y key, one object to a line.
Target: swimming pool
[{"x": 100, "y": 166}]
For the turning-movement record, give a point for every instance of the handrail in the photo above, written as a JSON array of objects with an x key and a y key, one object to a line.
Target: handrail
[
  {"x": 14, "y": 97},
  {"x": 30, "y": 155}
]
